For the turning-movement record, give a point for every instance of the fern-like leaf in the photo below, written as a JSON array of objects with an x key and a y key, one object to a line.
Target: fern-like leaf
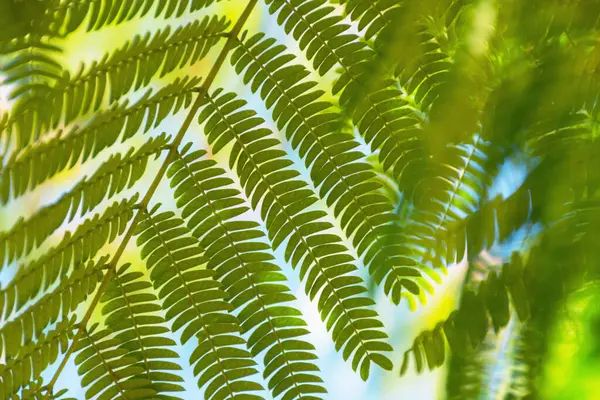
[
  {"x": 319, "y": 33},
  {"x": 324, "y": 261},
  {"x": 62, "y": 301},
  {"x": 466, "y": 328},
  {"x": 372, "y": 15},
  {"x": 336, "y": 167},
  {"x": 40, "y": 162},
  {"x": 379, "y": 111},
  {"x": 496, "y": 219},
  {"x": 33, "y": 358},
  {"x": 491, "y": 224},
  {"x": 256, "y": 286},
  {"x": 194, "y": 302},
  {"x": 129, "y": 67},
  {"x": 421, "y": 76},
  {"x": 130, "y": 311},
  {"x": 113, "y": 176},
  {"x": 530, "y": 289},
  {"x": 87, "y": 240},
  {"x": 107, "y": 367},
  {"x": 31, "y": 68},
  {"x": 68, "y": 16},
  {"x": 453, "y": 193}
]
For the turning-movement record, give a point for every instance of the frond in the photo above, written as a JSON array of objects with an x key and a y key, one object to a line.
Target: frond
[
  {"x": 467, "y": 327},
  {"x": 32, "y": 67},
  {"x": 320, "y": 34},
  {"x": 112, "y": 177},
  {"x": 336, "y": 166},
  {"x": 87, "y": 240},
  {"x": 69, "y": 15},
  {"x": 378, "y": 109},
  {"x": 18, "y": 21},
  {"x": 129, "y": 67},
  {"x": 195, "y": 303},
  {"x": 492, "y": 223},
  {"x": 60, "y": 303},
  {"x": 27, "y": 49},
  {"x": 422, "y": 75},
  {"x": 390, "y": 124},
  {"x": 130, "y": 312},
  {"x": 415, "y": 29},
  {"x": 40, "y": 162},
  {"x": 530, "y": 289},
  {"x": 437, "y": 80},
  {"x": 324, "y": 260},
  {"x": 251, "y": 278},
  {"x": 447, "y": 217},
  {"x": 105, "y": 364},
  {"x": 287, "y": 356},
  {"x": 453, "y": 193},
  {"x": 34, "y": 358},
  {"x": 496, "y": 219},
  {"x": 373, "y": 15}
]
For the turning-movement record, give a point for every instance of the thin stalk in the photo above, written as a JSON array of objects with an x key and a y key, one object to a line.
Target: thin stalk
[{"x": 231, "y": 39}]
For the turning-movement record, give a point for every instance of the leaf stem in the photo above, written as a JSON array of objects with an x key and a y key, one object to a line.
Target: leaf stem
[{"x": 231, "y": 39}]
